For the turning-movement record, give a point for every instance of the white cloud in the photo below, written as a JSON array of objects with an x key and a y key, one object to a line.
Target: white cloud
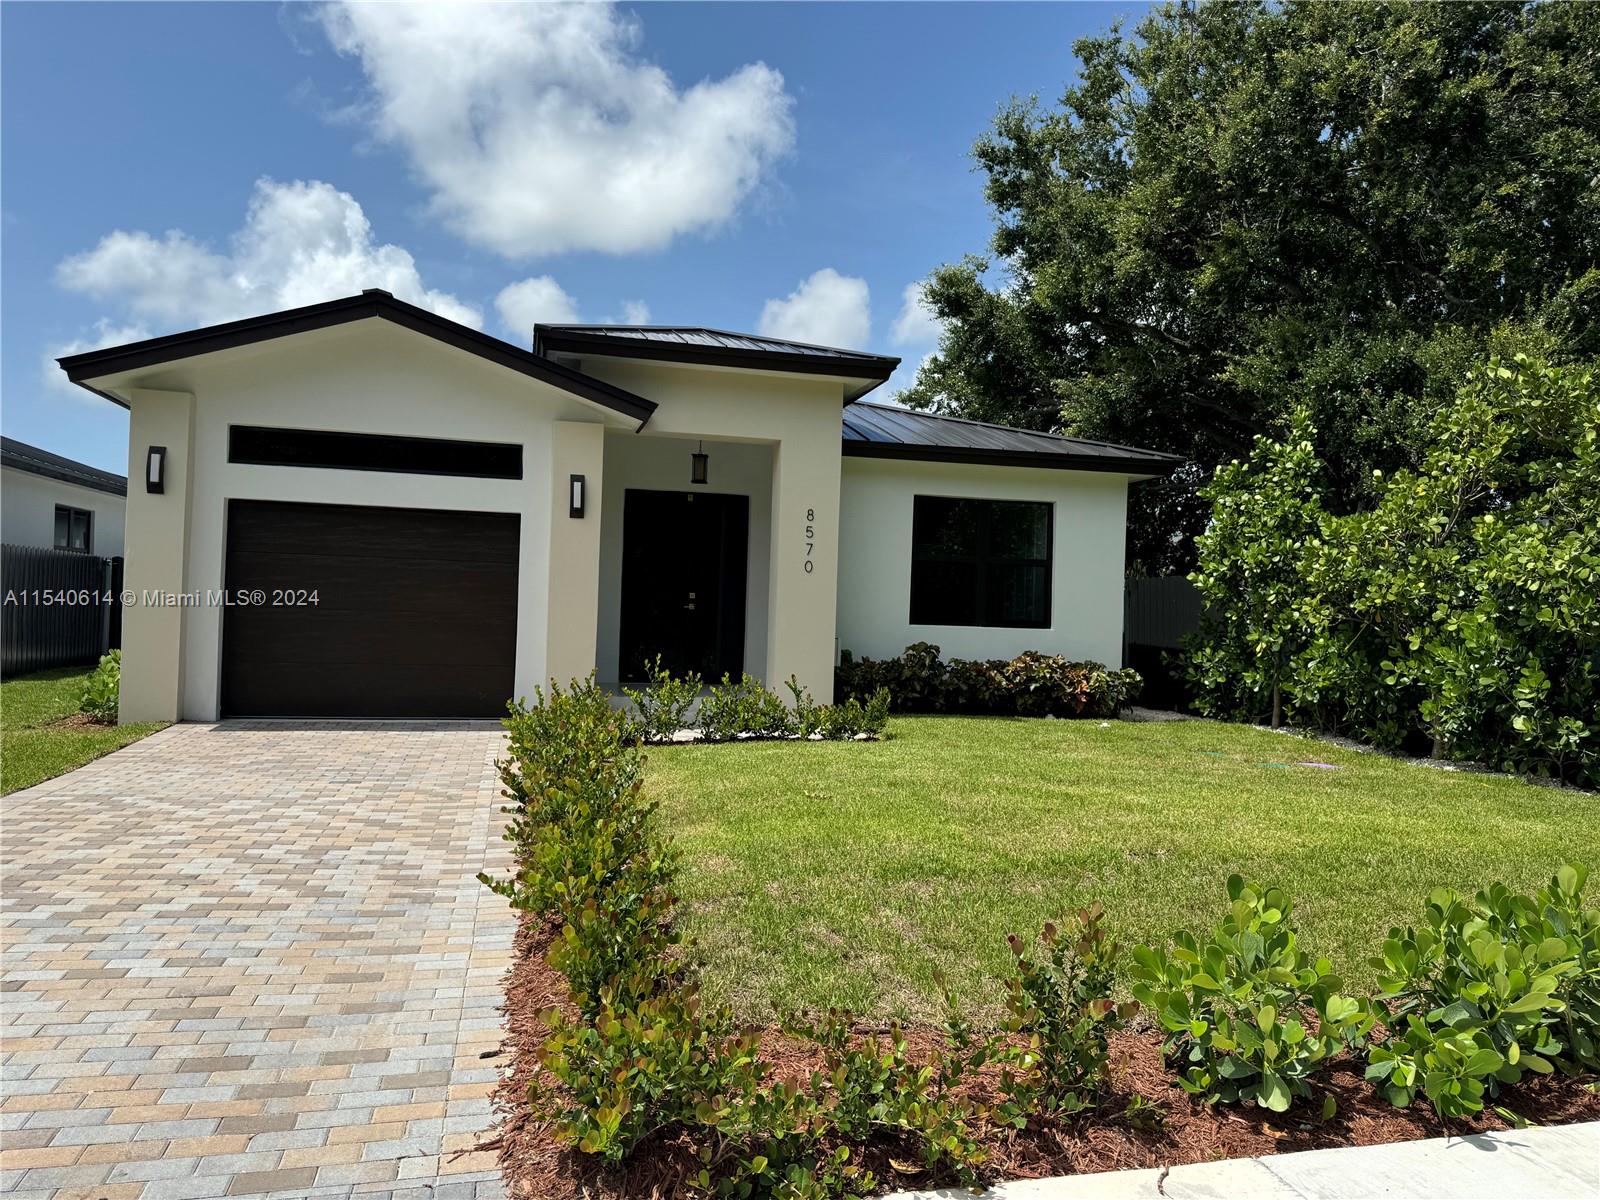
[
  {"x": 916, "y": 325},
  {"x": 528, "y": 301},
  {"x": 539, "y": 130},
  {"x": 829, "y": 309},
  {"x": 300, "y": 243},
  {"x": 634, "y": 312},
  {"x": 102, "y": 333}
]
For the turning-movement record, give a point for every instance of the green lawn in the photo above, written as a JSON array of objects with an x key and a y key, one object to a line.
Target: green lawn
[
  {"x": 828, "y": 873},
  {"x": 35, "y": 744}
]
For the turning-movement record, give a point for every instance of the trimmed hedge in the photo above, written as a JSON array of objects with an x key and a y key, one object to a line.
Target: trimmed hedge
[{"x": 1029, "y": 685}]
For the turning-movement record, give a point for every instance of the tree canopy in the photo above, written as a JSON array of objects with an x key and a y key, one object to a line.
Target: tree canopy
[{"x": 1242, "y": 211}]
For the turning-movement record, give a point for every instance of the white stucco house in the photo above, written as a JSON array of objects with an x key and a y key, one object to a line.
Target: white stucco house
[
  {"x": 360, "y": 508},
  {"x": 59, "y": 503}
]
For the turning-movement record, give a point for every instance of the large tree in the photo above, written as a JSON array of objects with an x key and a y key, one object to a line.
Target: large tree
[{"x": 1244, "y": 209}]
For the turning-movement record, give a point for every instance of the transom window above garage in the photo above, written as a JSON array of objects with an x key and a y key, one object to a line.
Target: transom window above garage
[
  {"x": 273, "y": 447},
  {"x": 980, "y": 562}
]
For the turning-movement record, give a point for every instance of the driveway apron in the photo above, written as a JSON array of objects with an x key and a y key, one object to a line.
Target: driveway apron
[{"x": 253, "y": 958}]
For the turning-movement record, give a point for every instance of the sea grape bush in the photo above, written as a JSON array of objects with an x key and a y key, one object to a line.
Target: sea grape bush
[
  {"x": 1455, "y": 613},
  {"x": 1030, "y": 685},
  {"x": 1234, "y": 1005}
]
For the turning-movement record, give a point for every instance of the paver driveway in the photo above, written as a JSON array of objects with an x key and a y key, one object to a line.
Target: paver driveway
[{"x": 253, "y": 958}]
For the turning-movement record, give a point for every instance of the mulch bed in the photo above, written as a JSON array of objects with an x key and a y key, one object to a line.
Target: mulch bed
[{"x": 1145, "y": 1121}]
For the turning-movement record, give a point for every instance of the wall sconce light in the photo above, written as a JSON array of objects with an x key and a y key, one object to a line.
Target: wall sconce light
[
  {"x": 699, "y": 461},
  {"x": 575, "y": 496},
  {"x": 155, "y": 469}
]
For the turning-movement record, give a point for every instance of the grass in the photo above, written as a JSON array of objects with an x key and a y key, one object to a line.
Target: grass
[
  {"x": 827, "y": 873},
  {"x": 37, "y": 739}
]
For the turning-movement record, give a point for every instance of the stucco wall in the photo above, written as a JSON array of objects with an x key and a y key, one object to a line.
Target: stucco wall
[
  {"x": 28, "y": 511},
  {"x": 662, "y": 464},
  {"x": 369, "y": 378},
  {"x": 1090, "y": 512}
]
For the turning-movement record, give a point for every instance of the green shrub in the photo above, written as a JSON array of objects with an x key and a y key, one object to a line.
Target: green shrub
[
  {"x": 661, "y": 707},
  {"x": 1456, "y": 613},
  {"x": 1030, "y": 685},
  {"x": 743, "y": 709},
  {"x": 1059, "y": 1001},
  {"x": 1487, "y": 990},
  {"x": 101, "y": 689},
  {"x": 1234, "y": 1005}
]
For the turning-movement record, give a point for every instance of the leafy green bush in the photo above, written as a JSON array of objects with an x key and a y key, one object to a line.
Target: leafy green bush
[
  {"x": 1457, "y": 613},
  {"x": 101, "y": 689},
  {"x": 662, "y": 706},
  {"x": 1234, "y": 1005},
  {"x": 1059, "y": 1000},
  {"x": 743, "y": 709},
  {"x": 1487, "y": 990},
  {"x": 1030, "y": 685}
]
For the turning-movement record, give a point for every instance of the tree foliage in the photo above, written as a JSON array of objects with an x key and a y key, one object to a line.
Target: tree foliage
[
  {"x": 1460, "y": 612},
  {"x": 1246, "y": 210}
]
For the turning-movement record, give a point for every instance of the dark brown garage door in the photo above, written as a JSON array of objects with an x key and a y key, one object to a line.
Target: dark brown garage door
[{"x": 415, "y": 613}]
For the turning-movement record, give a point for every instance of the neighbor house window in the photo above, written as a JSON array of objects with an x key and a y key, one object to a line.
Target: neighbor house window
[
  {"x": 980, "y": 562},
  {"x": 74, "y": 529}
]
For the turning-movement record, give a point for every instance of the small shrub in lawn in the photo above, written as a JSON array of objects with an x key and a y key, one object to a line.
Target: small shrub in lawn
[
  {"x": 1233, "y": 1005},
  {"x": 1486, "y": 991},
  {"x": 100, "y": 690},
  {"x": 662, "y": 706},
  {"x": 743, "y": 709},
  {"x": 1059, "y": 1000}
]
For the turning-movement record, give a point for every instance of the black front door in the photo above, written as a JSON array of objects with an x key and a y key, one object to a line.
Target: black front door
[{"x": 684, "y": 556}]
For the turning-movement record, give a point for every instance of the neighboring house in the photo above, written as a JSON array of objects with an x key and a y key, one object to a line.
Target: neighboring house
[
  {"x": 437, "y": 520},
  {"x": 50, "y": 501}
]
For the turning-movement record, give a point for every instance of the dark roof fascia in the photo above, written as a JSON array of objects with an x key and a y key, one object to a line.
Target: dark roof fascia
[
  {"x": 17, "y": 456},
  {"x": 915, "y": 452},
  {"x": 191, "y": 343},
  {"x": 874, "y": 367}
]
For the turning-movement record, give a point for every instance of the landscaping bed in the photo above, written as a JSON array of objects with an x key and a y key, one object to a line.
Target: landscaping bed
[
  {"x": 1143, "y": 1120},
  {"x": 1485, "y": 1011}
]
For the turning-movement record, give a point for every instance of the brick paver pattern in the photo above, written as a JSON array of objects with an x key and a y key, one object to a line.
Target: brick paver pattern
[{"x": 254, "y": 958}]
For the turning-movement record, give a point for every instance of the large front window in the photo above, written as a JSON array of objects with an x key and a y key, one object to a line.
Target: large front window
[{"x": 980, "y": 562}]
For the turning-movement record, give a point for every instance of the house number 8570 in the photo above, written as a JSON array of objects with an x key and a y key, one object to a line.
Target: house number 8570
[{"x": 811, "y": 533}]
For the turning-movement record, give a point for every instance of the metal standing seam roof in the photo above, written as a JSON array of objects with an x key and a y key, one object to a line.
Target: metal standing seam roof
[
  {"x": 19, "y": 456},
  {"x": 716, "y": 347},
  {"x": 883, "y": 431}
]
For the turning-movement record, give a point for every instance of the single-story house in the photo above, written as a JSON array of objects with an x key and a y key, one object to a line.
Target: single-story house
[
  {"x": 359, "y": 508},
  {"x": 58, "y": 503}
]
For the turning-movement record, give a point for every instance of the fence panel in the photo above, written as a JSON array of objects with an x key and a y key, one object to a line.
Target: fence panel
[
  {"x": 60, "y": 609},
  {"x": 1159, "y": 612}
]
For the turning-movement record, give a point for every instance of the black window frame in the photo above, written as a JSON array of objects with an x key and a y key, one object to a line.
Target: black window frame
[
  {"x": 72, "y": 511},
  {"x": 982, "y": 561},
  {"x": 397, "y": 454}
]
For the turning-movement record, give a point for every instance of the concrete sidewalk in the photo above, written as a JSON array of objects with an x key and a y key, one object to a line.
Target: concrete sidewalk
[{"x": 1558, "y": 1162}]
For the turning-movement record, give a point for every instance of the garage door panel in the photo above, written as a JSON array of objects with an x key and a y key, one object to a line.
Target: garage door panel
[
  {"x": 356, "y": 532},
  {"x": 396, "y": 693},
  {"x": 403, "y": 584},
  {"x": 422, "y": 624}
]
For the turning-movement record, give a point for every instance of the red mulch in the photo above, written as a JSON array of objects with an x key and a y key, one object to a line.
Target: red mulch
[{"x": 1179, "y": 1130}]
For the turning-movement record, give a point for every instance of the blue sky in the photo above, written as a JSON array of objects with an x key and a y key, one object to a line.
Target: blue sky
[{"x": 789, "y": 167}]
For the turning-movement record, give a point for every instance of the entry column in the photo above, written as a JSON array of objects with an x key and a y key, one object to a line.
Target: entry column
[
  {"x": 803, "y": 587},
  {"x": 577, "y": 460},
  {"x": 155, "y": 548}
]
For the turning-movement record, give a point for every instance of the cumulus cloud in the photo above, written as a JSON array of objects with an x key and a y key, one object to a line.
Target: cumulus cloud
[
  {"x": 301, "y": 242},
  {"x": 829, "y": 309},
  {"x": 527, "y": 302},
  {"x": 538, "y": 129},
  {"x": 634, "y": 312},
  {"x": 916, "y": 325}
]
